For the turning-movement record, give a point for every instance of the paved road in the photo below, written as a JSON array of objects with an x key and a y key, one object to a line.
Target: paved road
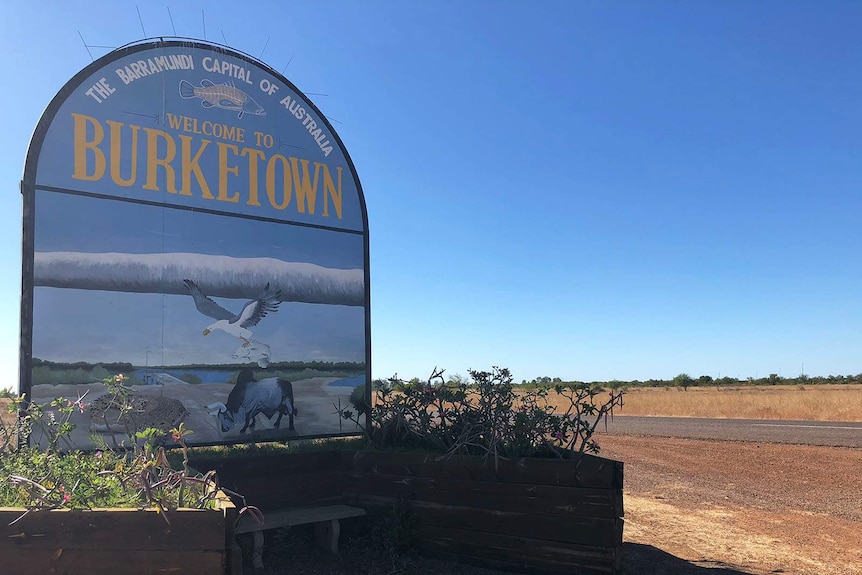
[{"x": 768, "y": 431}]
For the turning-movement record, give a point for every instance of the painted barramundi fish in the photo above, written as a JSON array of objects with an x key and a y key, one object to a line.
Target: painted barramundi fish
[{"x": 225, "y": 96}]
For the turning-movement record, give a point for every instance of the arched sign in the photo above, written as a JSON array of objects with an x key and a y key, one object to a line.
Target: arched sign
[{"x": 192, "y": 221}]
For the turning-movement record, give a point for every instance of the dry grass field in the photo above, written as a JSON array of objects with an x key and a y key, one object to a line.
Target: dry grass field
[
  {"x": 810, "y": 403},
  {"x": 813, "y": 403}
]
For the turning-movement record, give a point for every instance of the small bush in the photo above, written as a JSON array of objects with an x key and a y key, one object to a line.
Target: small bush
[
  {"x": 358, "y": 400},
  {"x": 486, "y": 417},
  {"x": 136, "y": 474}
]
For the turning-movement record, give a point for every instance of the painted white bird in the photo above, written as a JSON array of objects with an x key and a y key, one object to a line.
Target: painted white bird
[{"x": 235, "y": 324}]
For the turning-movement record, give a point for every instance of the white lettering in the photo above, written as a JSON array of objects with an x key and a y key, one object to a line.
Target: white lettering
[
  {"x": 137, "y": 70},
  {"x": 100, "y": 91},
  {"x": 314, "y": 130}
]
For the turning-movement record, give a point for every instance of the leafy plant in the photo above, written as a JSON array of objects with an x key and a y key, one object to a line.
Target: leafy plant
[
  {"x": 358, "y": 400},
  {"x": 486, "y": 416},
  {"x": 137, "y": 473}
]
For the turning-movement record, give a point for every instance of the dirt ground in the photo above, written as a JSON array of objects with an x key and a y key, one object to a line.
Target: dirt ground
[{"x": 710, "y": 507}]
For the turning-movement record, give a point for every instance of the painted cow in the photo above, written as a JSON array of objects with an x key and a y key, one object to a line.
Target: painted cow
[{"x": 249, "y": 397}]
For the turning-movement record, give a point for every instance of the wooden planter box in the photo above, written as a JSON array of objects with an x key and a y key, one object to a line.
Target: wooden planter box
[
  {"x": 117, "y": 541},
  {"x": 543, "y": 515},
  {"x": 546, "y": 515},
  {"x": 274, "y": 482}
]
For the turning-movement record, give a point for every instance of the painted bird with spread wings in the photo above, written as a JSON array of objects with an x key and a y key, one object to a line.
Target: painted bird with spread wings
[{"x": 236, "y": 324}]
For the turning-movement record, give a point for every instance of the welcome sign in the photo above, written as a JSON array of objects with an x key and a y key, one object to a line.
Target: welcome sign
[{"x": 192, "y": 221}]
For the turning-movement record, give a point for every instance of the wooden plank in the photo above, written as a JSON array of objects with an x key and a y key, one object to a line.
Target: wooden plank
[
  {"x": 62, "y": 561},
  {"x": 234, "y": 560},
  {"x": 116, "y": 528},
  {"x": 271, "y": 492},
  {"x": 371, "y": 503},
  {"x": 299, "y": 516},
  {"x": 589, "y": 471},
  {"x": 525, "y": 497},
  {"x": 314, "y": 478},
  {"x": 231, "y": 514},
  {"x": 273, "y": 502},
  {"x": 589, "y": 531},
  {"x": 279, "y": 464},
  {"x": 520, "y": 552}
]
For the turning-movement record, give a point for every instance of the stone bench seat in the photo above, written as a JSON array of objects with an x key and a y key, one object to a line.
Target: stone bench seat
[{"x": 325, "y": 519}]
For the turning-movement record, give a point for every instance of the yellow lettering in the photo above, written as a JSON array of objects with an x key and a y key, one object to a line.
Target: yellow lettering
[
  {"x": 116, "y": 153},
  {"x": 154, "y": 161},
  {"x": 253, "y": 157},
  {"x": 328, "y": 186},
  {"x": 270, "y": 181},
  {"x": 279, "y": 175},
  {"x": 190, "y": 165},
  {"x": 224, "y": 170},
  {"x": 306, "y": 192},
  {"x": 82, "y": 144}
]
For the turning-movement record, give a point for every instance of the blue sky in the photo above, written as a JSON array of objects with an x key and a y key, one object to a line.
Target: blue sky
[{"x": 588, "y": 190}]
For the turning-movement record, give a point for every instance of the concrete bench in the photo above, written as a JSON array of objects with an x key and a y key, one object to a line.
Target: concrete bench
[{"x": 325, "y": 520}]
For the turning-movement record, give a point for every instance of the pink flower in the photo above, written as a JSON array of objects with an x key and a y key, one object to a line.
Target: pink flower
[
  {"x": 98, "y": 454},
  {"x": 67, "y": 497}
]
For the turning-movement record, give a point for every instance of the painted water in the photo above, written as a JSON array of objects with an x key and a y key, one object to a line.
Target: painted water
[{"x": 222, "y": 376}]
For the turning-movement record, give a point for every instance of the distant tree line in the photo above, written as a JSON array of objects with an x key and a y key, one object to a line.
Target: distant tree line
[
  {"x": 684, "y": 381},
  {"x": 681, "y": 381}
]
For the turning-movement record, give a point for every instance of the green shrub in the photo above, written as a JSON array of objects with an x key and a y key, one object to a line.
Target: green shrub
[
  {"x": 358, "y": 400},
  {"x": 138, "y": 474},
  {"x": 486, "y": 417}
]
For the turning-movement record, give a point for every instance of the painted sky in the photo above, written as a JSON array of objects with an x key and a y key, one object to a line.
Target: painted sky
[
  {"x": 99, "y": 326},
  {"x": 587, "y": 190},
  {"x": 84, "y": 224}
]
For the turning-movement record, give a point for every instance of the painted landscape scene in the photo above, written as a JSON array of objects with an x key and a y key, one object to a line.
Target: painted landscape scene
[{"x": 165, "y": 396}]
